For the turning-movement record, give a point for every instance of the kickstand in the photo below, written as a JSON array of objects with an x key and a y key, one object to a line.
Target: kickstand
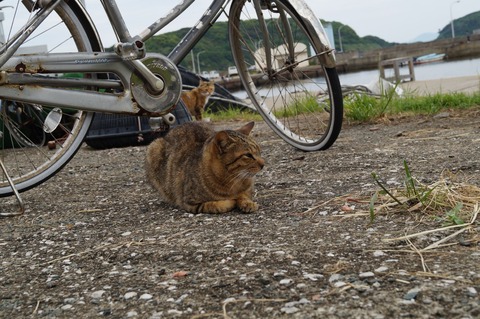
[{"x": 15, "y": 191}]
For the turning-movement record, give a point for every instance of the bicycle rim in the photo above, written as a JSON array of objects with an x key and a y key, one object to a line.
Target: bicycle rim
[
  {"x": 36, "y": 141},
  {"x": 299, "y": 99}
]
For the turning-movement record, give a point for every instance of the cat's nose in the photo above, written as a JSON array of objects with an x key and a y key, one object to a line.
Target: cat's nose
[{"x": 261, "y": 162}]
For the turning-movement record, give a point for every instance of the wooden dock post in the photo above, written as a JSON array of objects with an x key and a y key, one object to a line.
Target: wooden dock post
[{"x": 396, "y": 64}]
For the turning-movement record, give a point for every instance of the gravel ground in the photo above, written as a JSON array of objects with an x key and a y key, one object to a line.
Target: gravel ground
[{"x": 97, "y": 242}]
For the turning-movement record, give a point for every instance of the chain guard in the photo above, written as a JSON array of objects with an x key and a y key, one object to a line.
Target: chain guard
[{"x": 158, "y": 103}]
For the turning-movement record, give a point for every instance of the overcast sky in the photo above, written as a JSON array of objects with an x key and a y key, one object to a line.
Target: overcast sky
[{"x": 392, "y": 20}]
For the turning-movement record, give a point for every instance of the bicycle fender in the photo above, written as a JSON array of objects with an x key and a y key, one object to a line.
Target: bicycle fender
[{"x": 314, "y": 27}]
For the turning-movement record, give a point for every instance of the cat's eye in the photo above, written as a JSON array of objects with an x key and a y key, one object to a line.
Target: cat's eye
[{"x": 249, "y": 155}]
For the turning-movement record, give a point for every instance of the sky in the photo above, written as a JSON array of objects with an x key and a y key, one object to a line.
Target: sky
[{"x": 392, "y": 20}]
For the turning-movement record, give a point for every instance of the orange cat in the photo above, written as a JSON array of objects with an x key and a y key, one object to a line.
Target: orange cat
[{"x": 196, "y": 99}]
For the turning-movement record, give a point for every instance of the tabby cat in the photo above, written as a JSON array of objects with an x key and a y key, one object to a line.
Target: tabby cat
[
  {"x": 197, "y": 98},
  {"x": 204, "y": 171}
]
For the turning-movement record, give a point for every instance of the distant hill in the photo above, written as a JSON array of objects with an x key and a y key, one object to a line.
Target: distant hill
[
  {"x": 463, "y": 26},
  {"x": 215, "y": 47},
  {"x": 425, "y": 37},
  {"x": 352, "y": 42},
  {"x": 216, "y": 53}
]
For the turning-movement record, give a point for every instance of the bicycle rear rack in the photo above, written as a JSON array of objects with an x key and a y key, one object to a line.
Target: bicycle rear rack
[{"x": 15, "y": 191}]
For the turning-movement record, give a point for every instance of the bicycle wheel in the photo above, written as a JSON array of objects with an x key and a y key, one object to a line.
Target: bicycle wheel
[
  {"x": 278, "y": 63},
  {"x": 36, "y": 141}
]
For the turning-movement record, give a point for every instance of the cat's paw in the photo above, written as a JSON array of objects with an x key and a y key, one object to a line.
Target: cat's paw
[
  {"x": 217, "y": 207},
  {"x": 247, "y": 206}
]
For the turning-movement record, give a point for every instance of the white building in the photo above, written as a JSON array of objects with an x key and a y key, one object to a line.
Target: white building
[{"x": 280, "y": 56}]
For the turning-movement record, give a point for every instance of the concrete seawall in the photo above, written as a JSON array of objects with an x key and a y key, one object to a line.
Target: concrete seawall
[{"x": 455, "y": 49}]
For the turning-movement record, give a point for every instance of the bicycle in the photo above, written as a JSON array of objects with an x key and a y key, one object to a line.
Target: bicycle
[{"x": 54, "y": 68}]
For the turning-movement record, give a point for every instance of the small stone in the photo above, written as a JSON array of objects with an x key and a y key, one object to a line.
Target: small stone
[
  {"x": 339, "y": 284},
  {"x": 472, "y": 292},
  {"x": 411, "y": 294},
  {"x": 295, "y": 263},
  {"x": 289, "y": 310},
  {"x": 378, "y": 253},
  {"x": 181, "y": 298},
  {"x": 381, "y": 269},
  {"x": 146, "y": 297},
  {"x": 367, "y": 274},
  {"x": 312, "y": 277},
  {"x": 127, "y": 233},
  {"x": 67, "y": 307},
  {"x": 132, "y": 313},
  {"x": 97, "y": 294},
  {"x": 334, "y": 277},
  {"x": 130, "y": 295},
  {"x": 286, "y": 282}
]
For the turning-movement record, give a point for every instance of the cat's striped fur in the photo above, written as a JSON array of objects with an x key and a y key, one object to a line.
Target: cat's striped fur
[{"x": 203, "y": 171}]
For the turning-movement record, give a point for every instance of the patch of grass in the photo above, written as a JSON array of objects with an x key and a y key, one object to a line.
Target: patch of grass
[
  {"x": 308, "y": 104},
  {"x": 232, "y": 114},
  {"x": 446, "y": 200},
  {"x": 363, "y": 107}
]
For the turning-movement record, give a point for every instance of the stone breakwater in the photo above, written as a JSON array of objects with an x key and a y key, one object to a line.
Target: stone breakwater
[{"x": 455, "y": 49}]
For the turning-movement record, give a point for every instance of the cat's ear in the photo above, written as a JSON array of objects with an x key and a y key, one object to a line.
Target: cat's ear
[
  {"x": 222, "y": 139},
  {"x": 247, "y": 128}
]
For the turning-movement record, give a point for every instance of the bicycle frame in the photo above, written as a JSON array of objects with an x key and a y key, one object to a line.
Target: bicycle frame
[{"x": 30, "y": 87}]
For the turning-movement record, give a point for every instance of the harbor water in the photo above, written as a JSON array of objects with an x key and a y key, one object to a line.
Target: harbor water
[{"x": 428, "y": 71}]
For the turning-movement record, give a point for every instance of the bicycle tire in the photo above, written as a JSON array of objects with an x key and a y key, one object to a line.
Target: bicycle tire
[
  {"x": 27, "y": 163},
  {"x": 301, "y": 100}
]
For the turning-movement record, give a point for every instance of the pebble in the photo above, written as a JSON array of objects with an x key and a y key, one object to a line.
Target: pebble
[
  {"x": 286, "y": 282},
  {"x": 130, "y": 295},
  {"x": 146, "y": 297},
  {"x": 367, "y": 274},
  {"x": 132, "y": 313},
  {"x": 411, "y": 294},
  {"x": 381, "y": 269},
  {"x": 66, "y": 307},
  {"x": 127, "y": 233},
  {"x": 313, "y": 277},
  {"x": 378, "y": 253},
  {"x": 289, "y": 310},
  {"x": 279, "y": 273},
  {"x": 181, "y": 298},
  {"x": 335, "y": 277},
  {"x": 174, "y": 312},
  {"x": 471, "y": 291}
]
